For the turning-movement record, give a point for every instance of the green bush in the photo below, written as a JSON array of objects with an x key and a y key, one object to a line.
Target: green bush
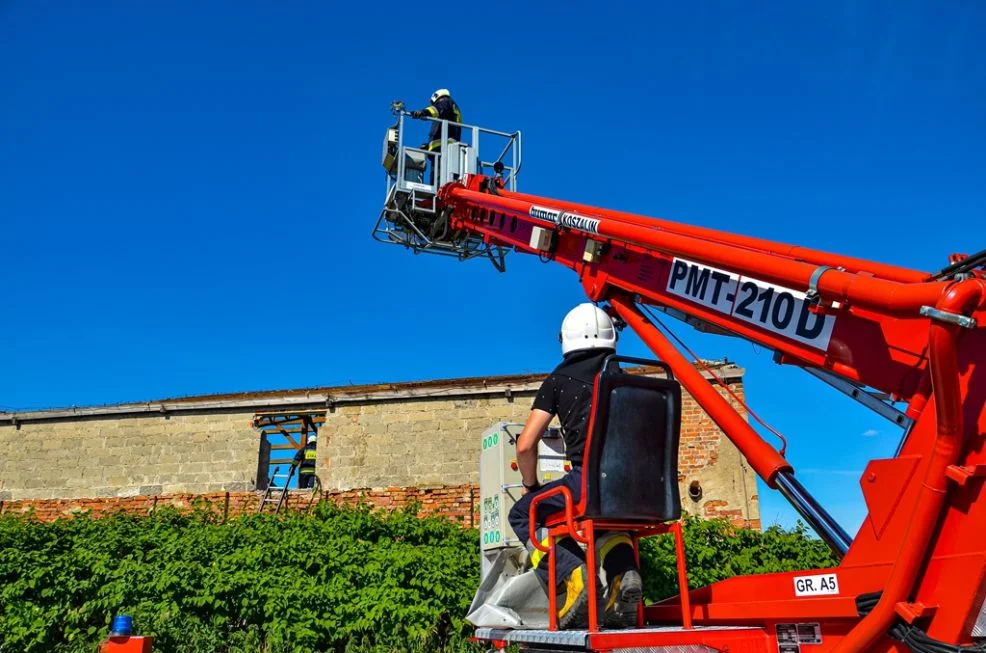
[
  {"x": 344, "y": 579},
  {"x": 340, "y": 578}
]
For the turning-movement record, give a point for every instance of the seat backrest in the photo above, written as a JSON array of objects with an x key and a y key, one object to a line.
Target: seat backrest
[{"x": 631, "y": 457}]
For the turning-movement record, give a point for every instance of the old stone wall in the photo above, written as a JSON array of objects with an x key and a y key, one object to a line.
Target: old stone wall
[
  {"x": 435, "y": 442},
  {"x": 410, "y": 443},
  {"x": 128, "y": 455},
  {"x": 379, "y": 441}
]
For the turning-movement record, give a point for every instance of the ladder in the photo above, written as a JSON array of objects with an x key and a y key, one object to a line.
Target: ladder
[
  {"x": 316, "y": 494},
  {"x": 271, "y": 488}
]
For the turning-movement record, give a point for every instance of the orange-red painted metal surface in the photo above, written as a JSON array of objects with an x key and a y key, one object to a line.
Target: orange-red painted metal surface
[
  {"x": 896, "y": 330},
  {"x": 752, "y": 640},
  {"x": 128, "y": 644},
  {"x": 884, "y": 483}
]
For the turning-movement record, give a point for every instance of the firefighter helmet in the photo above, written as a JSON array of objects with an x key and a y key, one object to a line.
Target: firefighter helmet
[
  {"x": 587, "y": 327},
  {"x": 442, "y": 92}
]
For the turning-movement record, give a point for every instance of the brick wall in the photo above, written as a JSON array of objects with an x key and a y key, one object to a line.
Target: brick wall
[
  {"x": 458, "y": 503},
  {"x": 454, "y": 502},
  {"x": 705, "y": 455}
]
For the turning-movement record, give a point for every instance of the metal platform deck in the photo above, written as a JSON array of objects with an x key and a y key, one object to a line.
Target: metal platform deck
[{"x": 654, "y": 638}]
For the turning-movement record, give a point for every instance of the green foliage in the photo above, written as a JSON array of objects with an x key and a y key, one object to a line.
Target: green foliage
[
  {"x": 344, "y": 579},
  {"x": 715, "y": 550}
]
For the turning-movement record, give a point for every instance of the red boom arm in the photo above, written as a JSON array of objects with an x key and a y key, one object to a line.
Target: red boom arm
[{"x": 896, "y": 330}]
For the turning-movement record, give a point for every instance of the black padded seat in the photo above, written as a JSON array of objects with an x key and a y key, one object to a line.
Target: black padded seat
[{"x": 631, "y": 459}]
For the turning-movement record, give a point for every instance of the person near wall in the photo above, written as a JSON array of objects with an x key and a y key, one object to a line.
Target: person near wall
[
  {"x": 304, "y": 460},
  {"x": 587, "y": 337}
]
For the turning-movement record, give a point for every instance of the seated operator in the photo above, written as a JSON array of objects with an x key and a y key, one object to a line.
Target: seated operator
[{"x": 587, "y": 338}]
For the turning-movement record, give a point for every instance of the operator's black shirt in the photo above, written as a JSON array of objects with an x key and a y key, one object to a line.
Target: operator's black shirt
[{"x": 567, "y": 393}]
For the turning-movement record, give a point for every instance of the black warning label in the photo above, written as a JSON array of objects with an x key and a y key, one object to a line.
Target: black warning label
[
  {"x": 790, "y": 637},
  {"x": 787, "y": 638},
  {"x": 810, "y": 633}
]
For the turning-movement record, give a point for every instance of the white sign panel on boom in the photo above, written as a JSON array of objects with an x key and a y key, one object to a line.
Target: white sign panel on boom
[
  {"x": 777, "y": 309},
  {"x": 818, "y": 585}
]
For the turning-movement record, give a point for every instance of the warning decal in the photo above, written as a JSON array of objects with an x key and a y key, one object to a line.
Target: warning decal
[
  {"x": 809, "y": 633},
  {"x": 787, "y": 638},
  {"x": 491, "y": 520},
  {"x": 790, "y": 637}
]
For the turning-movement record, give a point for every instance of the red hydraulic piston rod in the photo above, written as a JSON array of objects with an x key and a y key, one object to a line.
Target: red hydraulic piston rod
[
  {"x": 961, "y": 299},
  {"x": 833, "y": 285},
  {"x": 764, "y": 458},
  {"x": 807, "y": 255}
]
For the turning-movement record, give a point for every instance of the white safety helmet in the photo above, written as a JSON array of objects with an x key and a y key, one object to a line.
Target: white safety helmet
[
  {"x": 442, "y": 92},
  {"x": 313, "y": 437},
  {"x": 587, "y": 327}
]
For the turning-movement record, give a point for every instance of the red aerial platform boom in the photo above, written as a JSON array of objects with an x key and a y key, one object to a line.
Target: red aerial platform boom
[{"x": 919, "y": 558}]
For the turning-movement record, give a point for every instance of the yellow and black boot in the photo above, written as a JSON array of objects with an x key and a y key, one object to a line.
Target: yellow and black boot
[
  {"x": 573, "y": 600},
  {"x": 624, "y": 587},
  {"x": 572, "y": 592}
]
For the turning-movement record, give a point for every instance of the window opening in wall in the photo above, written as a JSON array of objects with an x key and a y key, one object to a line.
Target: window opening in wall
[{"x": 282, "y": 436}]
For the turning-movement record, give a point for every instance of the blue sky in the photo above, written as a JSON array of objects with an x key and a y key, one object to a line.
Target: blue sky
[{"x": 187, "y": 189}]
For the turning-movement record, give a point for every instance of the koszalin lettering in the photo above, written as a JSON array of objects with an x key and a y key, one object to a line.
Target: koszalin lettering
[{"x": 570, "y": 220}]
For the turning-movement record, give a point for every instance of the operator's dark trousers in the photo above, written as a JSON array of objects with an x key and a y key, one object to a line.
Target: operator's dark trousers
[
  {"x": 306, "y": 481},
  {"x": 570, "y": 555}
]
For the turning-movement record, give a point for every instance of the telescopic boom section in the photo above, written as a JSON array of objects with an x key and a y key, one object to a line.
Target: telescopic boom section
[
  {"x": 860, "y": 320},
  {"x": 794, "y": 252}
]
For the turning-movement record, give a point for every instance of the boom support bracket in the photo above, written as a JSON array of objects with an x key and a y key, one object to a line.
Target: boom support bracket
[{"x": 964, "y": 321}]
